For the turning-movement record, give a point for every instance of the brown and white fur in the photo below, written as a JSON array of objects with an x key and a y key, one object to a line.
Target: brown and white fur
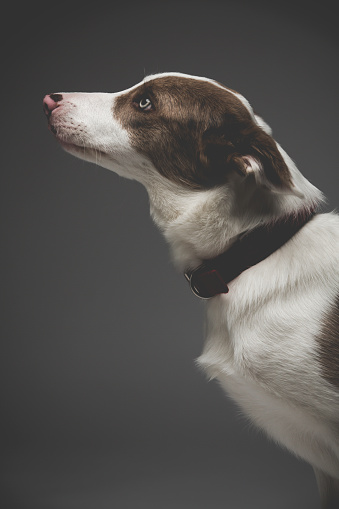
[{"x": 213, "y": 171}]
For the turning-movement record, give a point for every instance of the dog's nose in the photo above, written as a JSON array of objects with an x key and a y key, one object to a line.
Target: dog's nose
[{"x": 51, "y": 102}]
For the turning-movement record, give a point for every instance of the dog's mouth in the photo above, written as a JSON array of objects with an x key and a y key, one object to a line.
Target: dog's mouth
[
  {"x": 75, "y": 147},
  {"x": 65, "y": 133},
  {"x": 74, "y": 139}
]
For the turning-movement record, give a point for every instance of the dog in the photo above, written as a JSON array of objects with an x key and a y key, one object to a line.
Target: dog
[{"x": 243, "y": 225}]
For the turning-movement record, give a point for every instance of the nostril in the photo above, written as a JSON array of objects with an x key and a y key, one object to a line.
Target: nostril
[
  {"x": 51, "y": 102},
  {"x": 56, "y": 97}
]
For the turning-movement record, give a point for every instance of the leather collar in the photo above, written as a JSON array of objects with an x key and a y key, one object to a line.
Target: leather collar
[{"x": 212, "y": 276}]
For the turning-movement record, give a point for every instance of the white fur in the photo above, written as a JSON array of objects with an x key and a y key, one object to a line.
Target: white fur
[
  {"x": 261, "y": 336},
  {"x": 262, "y": 349}
]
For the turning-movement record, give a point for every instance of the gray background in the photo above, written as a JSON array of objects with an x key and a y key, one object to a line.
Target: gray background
[{"x": 102, "y": 405}]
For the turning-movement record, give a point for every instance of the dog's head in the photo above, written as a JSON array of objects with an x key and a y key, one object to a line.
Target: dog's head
[{"x": 191, "y": 131}]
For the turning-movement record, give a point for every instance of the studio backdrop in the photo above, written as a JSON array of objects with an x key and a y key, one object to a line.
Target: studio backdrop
[{"x": 102, "y": 403}]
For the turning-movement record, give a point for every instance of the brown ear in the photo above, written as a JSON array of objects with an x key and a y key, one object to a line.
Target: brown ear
[{"x": 248, "y": 151}]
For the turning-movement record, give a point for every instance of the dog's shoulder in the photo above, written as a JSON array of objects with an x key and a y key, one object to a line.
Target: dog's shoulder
[
  {"x": 284, "y": 311},
  {"x": 328, "y": 335},
  {"x": 325, "y": 227},
  {"x": 328, "y": 341},
  {"x": 319, "y": 249}
]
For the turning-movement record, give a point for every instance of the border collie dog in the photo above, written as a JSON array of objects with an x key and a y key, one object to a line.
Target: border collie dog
[{"x": 243, "y": 226}]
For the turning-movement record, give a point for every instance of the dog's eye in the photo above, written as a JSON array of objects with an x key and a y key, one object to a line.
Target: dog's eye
[{"x": 145, "y": 104}]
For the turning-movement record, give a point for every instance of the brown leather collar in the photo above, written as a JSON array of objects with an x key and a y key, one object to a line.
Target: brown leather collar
[{"x": 212, "y": 276}]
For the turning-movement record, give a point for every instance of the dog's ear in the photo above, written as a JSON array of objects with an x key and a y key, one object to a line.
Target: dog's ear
[{"x": 248, "y": 151}]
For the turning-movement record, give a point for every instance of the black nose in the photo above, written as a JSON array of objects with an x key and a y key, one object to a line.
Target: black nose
[
  {"x": 51, "y": 102},
  {"x": 56, "y": 97}
]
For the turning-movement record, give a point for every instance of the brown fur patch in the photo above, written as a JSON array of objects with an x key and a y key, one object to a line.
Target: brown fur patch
[
  {"x": 196, "y": 133},
  {"x": 329, "y": 345}
]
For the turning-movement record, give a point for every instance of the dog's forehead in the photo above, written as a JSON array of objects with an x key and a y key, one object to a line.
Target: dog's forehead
[
  {"x": 175, "y": 80},
  {"x": 178, "y": 77}
]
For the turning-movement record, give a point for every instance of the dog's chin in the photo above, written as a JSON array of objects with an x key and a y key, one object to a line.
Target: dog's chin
[
  {"x": 72, "y": 148},
  {"x": 89, "y": 154},
  {"x": 96, "y": 156}
]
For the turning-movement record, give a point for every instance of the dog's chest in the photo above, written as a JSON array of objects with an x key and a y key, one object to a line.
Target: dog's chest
[
  {"x": 291, "y": 425},
  {"x": 265, "y": 359}
]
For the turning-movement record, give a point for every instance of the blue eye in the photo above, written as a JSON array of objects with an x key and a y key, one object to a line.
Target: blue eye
[{"x": 145, "y": 104}]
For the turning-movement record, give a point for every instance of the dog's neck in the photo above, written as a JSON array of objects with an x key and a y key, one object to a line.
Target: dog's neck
[{"x": 201, "y": 224}]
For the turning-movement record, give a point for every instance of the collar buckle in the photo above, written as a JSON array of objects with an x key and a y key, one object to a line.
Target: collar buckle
[{"x": 205, "y": 282}]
